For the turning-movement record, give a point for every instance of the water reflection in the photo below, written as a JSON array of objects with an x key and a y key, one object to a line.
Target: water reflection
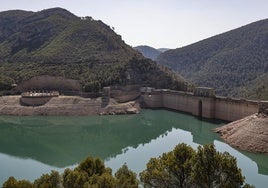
[
  {"x": 23, "y": 168},
  {"x": 38, "y": 144},
  {"x": 249, "y": 168}
]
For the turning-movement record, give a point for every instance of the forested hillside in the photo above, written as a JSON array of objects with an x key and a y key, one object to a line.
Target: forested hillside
[
  {"x": 148, "y": 51},
  {"x": 235, "y": 63},
  {"x": 56, "y": 42}
]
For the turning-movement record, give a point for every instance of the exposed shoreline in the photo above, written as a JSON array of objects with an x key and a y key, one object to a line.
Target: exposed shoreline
[
  {"x": 249, "y": 134},
  {"x": 65, "y": 106}
]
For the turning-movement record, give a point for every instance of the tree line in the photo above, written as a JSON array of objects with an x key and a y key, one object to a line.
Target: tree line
[{"x": 182, "y": 167}]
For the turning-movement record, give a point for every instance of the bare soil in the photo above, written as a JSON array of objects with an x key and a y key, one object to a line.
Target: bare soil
[
  {"x": 66, "y": 106},
  {"x": 249, "y": 133}
]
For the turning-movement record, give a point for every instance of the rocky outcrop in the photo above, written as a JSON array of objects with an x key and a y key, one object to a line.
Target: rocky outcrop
[
  {"x": 249, "y": 133},
  {"x": 123, "y": 108}
]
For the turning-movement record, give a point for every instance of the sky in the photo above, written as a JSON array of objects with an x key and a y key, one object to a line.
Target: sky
[{"x": 158, "y": 23}]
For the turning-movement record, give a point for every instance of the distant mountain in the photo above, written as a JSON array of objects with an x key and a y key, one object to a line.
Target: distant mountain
[
  {"x": 235, "y": 63},
  {"x": 148, "y": 51},
  {"x": 163, "y": 49},
  {"x": 56, "y": 42}
]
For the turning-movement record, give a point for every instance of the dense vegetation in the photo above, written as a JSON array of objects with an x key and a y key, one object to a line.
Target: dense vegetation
[
  {"x": 255, "y": 89},
  {"x": 182, "y": 167},
  {"x": 89, "y": 173},
  {"x": 148, "y": 51},
  {"x": 231, "y": 62},
  {"x": 185, "y": 167},
  {"x": 56, "y": 42}
]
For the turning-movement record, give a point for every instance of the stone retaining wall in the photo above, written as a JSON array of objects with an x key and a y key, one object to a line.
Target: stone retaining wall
[
  {"x": 233, "y": 109},
  {"x": 34, "y": 101},
  {"x": 223, "y": 108}
]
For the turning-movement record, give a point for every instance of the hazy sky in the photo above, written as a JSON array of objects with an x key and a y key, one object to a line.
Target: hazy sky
[{"x": 158, "y": 23}]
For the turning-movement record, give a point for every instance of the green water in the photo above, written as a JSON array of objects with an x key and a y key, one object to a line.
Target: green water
[{"x": 31, "y": 146}]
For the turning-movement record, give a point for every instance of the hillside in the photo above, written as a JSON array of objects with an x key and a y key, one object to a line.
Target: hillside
[
  {"x": 163, "y": 49},
  {"x": 148, "y": 51},
  {"x": 55, "y": 42},
  {"x": 235, "y": 63}
]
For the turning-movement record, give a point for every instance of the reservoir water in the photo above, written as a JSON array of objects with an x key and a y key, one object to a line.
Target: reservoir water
[{"x": 31, "y": 146}]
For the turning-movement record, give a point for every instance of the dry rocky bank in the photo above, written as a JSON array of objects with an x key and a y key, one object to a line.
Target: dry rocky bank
[
  {"x": 66, "y": 105},
  {"x": 249, "y": 133}
]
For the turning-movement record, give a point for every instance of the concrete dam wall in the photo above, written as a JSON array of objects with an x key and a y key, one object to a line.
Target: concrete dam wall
[{"x": 202, "y": 103}]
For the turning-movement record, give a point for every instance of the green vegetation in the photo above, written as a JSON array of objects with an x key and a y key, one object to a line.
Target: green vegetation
[
  {"x": 256, "y": 89},
  {"x": 182, "y": 167},
  {"x": 148, "y": 52},
  {"x": 57, "y": 43},
  {"x": 185, "y": 167},
  {"x": 228, "y": 62},
  {"x": 125, "y": 178},
  {"x": 5, "y": 83},
  {"x": 89, "y": 173}
]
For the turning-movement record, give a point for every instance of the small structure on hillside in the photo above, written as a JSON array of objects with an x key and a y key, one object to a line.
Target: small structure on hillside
[
  {"x": 105, "y": 98},
  {"x": 204, "y": 92},
  {"x": 36, "y": 94},
  {"x": 37, "y": 98},
  {"x": 146, "y": 90}
]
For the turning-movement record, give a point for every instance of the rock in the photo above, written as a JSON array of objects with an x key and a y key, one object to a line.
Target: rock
[
  {"x": 263, "y": 107},
  {"x": 132, "y": 110},
  {"x": 249, "y": 133}
]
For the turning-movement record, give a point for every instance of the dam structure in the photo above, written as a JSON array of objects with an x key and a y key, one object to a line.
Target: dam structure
[{"x": 202, "y": 103}]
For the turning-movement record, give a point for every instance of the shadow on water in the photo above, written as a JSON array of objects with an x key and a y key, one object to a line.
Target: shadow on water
[{"x": 64, "y": 141}]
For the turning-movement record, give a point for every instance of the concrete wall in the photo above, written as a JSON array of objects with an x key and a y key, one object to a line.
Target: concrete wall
[
  {"x": 187, "y": 102},
  {"x": 178, "y": 101},
  {"x": 34, "y": 101},
  {"x": 153, "y": 100},
  {"x": 207, "y": 107},
  {"x": 234, "y": 109},
  {"x": 203, "y": 107}
]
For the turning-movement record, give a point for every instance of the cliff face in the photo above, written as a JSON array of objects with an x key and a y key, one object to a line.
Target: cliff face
[{"x": 55, "y": 42}]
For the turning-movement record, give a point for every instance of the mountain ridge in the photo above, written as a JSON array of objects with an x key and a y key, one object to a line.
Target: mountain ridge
[
  {"x": 226, "y": 62},
  {"x": 148, "y": 51},
  {"x": 56, "y": 42}
]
